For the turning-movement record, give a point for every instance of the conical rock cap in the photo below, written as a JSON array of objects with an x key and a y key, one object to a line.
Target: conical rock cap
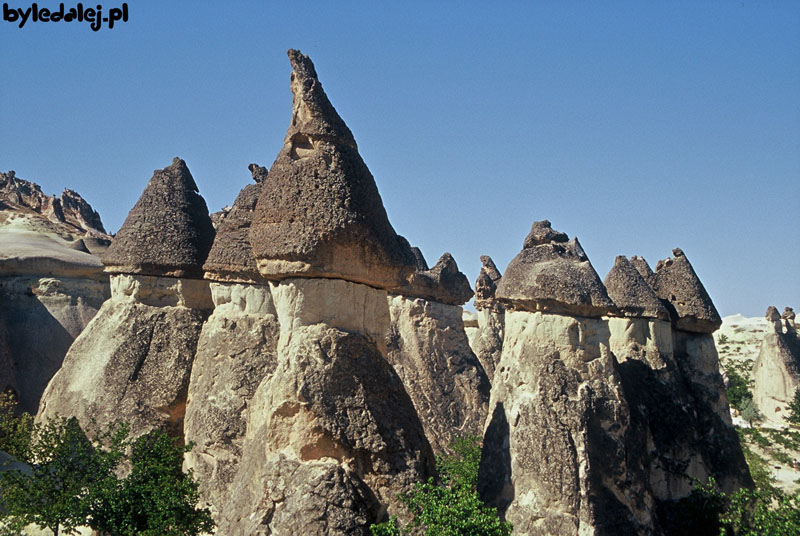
[
  {"x": 690, "y": 306},
  {"x": 555, "y": 275},
  {"x": 320, "y": 213},
  {"x": 167, "y": 232},
  {"x": 631, "y": 293},
  {"x": 231, "y": 257}
]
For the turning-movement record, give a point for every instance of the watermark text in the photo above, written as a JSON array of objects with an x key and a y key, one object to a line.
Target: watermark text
[{"x": 93, "y": 15}]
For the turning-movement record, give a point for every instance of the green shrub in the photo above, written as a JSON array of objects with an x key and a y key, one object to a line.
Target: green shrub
[
  {"x": 72, "y": 480},
  {"x": 450, "y": 507},
  {"x": 738, "y": 391}
]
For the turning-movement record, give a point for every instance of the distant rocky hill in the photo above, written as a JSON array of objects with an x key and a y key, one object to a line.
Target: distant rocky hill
[{"x": 51, "y": 281}]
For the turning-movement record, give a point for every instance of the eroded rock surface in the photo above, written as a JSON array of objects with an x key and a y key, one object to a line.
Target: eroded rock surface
[
  {"x": 487, "y": 343},
  {"x": 690, "y": 306},
  {"x": 632, "y": 295},
  {"x": 167, "y": 232},
  {"x": 236, "y": 351},
  {"x": 51, "y": 281},
  {"x": 132, "y": 362},
  {"x": 554, "y": 275},
  {"x": 429, "y": 350},
  {"x": 777, "y": 369},
  {"x": 334, "y": 407},
  {"x": 443, "y": 283},
  {"x": 320, "y": 208}
]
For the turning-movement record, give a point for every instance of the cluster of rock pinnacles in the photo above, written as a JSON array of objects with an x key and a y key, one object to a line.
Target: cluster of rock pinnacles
[{"x": 317, "y": 363}]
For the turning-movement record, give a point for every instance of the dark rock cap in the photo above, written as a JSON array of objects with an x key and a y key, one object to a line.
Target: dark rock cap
[
  {"x": 231, "y": 257},
  {"x": 677, "y": 285},
  {"x": 320, "y": 213},
  {"x": 554, "y": 276},
  {"x": 788, "y": 313},
  {"x": 167, "y": 232},
  {"x": 443, "y": 283},
  {"x": 643, "y": 268},
  {"x": 422, "y": 264},
  {"x": 631, "y": 293},
  {"x": 486, "y": 284},
  {"x": 772, "y": 314}
]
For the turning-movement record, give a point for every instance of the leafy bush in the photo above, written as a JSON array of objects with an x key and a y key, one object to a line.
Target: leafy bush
[
  {"x": 72, "y": 480},
  {"x": 738, "y": 391},
  {"x": 750, "y": 412},
  {"x": 452, "y": 506}
]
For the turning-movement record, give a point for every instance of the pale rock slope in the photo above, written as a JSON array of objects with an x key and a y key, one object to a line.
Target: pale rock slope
[
  {"x": 51, "y": 281},
  {"x": 777, "y": 369}
]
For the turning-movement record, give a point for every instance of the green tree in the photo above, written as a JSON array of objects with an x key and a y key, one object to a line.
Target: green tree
[
  {"x": 64, "y": 466},
  {"x": 794, "y": 408},
  {"x": 71, "y": 480},
  {"x": 750, "y": 412},
  {"x": 738, "y": 392},
  {"x": 156, "y": 498},
  {"x": 452, "y": 506}
]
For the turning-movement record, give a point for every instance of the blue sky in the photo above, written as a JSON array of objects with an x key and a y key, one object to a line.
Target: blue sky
[{"x": 637, "y": 126}]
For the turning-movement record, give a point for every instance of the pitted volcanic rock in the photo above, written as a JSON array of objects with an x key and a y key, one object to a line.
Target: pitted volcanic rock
[
  {"x": 320, "y": 213},
  {"x": 631, "y": 293},
  {"x": 554, "y": 276},
  {"x": 168, "y": 232}
]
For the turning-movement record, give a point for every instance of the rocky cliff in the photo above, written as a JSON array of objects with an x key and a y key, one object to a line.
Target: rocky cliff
[{"x": 51, "y": 281}]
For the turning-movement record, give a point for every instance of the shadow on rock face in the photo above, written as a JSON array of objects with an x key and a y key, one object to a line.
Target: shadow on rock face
[{"x": 494, "y": 476}]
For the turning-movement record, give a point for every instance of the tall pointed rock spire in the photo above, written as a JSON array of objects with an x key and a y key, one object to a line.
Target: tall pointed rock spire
[
  {"x": 167, "y": 232},
  {"x": 320, "y": 213}
]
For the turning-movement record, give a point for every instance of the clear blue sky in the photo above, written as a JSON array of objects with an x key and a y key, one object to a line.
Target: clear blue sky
[{"x": 637, "y": 126}]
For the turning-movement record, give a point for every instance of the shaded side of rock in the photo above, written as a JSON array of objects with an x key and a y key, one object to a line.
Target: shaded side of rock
[
  {"x": 631, "y": 293},
  {"x": 41, "y": 317},
  {"x": 320, "y": 213},
  {"x": 168, "y": 232},
  {"x": 429, "y": 350},
  {"x": 554, "y": 276},
  {"x": 690, "y": 306},
  {"x": 486, "y": 284},
  {"x": 236, "y": 351}
]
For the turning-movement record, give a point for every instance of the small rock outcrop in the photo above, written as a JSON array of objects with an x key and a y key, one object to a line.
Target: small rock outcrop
[
  {"x": 320, "y": 208},
  {"x": 554, "y": 275},
  {"x": 777, "y": 369},
  {"x": 51, "y": 280},
  {"x": 167, "y": 232},
  {"x": 690, "y": 306},
  {"x": 133, "y": 361}
]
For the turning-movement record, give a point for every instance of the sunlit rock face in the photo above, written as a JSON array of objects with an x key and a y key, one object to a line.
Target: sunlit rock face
[
  {"x": 487, "y": 340},
  {"x": 602, "y": 408},
  {"x": 51, "y": 282},
  {"x": 133, "y": 362},
  {"x": 777, "y": 369}
]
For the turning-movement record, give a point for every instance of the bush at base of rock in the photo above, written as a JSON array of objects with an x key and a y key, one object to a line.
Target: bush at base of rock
[
  {"x": 451, "y": 507},
  {"x": 60, "y": 479}
]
